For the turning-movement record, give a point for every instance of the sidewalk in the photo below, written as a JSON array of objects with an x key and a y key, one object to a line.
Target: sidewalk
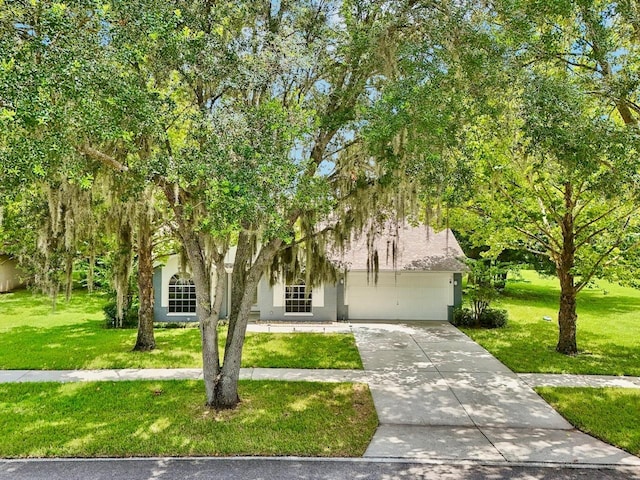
[
  {"x": 325, "y": 375},
  {"x": 439, "y": 397}
]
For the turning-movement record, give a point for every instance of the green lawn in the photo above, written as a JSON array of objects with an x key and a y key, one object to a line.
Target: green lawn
[
  {"x": 608, "y": 329},
  {"x": 168, "y": 418},
  {"x": 33, "y": 337},
  {"x": 610, "y": 414}
]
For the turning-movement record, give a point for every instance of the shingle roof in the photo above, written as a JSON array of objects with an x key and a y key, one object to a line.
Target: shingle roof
[{"x": 417, "y": 248}]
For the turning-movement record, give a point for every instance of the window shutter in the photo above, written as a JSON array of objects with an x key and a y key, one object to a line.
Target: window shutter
[
  {"x": 317, "y": 296},
  {"x": 278, "y": 295}
]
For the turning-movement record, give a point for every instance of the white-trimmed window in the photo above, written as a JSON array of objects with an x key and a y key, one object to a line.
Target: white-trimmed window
[
  {"x": 297, "y": 299},
  {"x": 182, "y": 295}
]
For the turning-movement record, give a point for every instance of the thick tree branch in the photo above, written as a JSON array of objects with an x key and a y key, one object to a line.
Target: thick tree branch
[
  {"x": 313, "y": 235},
  {"x": 535, "y": 237},
  {"x": 103, "y": 158}
]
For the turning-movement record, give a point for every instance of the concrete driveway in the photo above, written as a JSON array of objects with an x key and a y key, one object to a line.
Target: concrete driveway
[{"x": 439, "y": 395}]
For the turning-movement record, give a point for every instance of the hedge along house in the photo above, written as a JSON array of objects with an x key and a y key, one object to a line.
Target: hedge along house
[{"x": 421, "y": 281}]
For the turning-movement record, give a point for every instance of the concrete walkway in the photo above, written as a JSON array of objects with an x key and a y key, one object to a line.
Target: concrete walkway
[{"x": 439, "y": 396}]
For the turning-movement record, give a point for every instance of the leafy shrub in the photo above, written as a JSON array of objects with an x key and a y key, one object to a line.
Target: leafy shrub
[
  {"x": 172, "y": 325},
  {"x": 463, "y": 317},
  {"x": 130, "y": 319},
  {"x": 490, "y": 318},
  {"x": 494, "y": 318}
]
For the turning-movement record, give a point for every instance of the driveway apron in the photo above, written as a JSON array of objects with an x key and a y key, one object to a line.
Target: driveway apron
[{"x": 441, "y": 396}]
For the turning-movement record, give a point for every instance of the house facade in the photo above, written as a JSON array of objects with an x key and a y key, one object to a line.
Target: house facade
[{"x": 420, "y": 280}]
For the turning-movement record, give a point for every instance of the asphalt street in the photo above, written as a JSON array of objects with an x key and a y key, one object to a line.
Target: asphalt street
[{"x": 289, "y": 469}]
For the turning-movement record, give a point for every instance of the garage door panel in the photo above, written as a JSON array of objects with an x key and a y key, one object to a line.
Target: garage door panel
[{"x": 407, "y": 296}]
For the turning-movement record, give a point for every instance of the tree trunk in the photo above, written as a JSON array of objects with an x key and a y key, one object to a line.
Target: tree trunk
[
  {"x": 243, "y": 287},
  {"x": 227, "y": 389},
  {"x": 145, "y": 340},
  {"x": 207, "y": 319},
  {"x": 91, "y": 270},
  {"x": 68, "y": 276},
  {"x": 53, "y": 293},
  {"x": 209, "y": 336},
  {"x": 567, "y": 316},
  {"x": 207, "y": 312},
  {"x": 121, "y": 275},
  {"x": 567, "y": 319}
]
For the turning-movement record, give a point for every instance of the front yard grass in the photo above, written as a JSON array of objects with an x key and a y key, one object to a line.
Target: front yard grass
[
  {"x": 608, "y": 329},
  {"x": 168, "y": 418},
  {"x": 610, "y": 414},
  {"x": 32, "y": 337}
]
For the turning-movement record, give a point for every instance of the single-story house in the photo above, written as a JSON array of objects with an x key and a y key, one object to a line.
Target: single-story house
[
  {"x": 422, "y": 282},
  {"x": 9, "y": 274}
]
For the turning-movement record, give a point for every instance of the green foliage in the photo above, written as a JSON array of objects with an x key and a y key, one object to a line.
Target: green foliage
[
  {"x": 463, "y": 317},
  {"x": 489, "y": 318},
  {"x": 100, "y": 274},
  {"x": 486, "y": 278},
  {"x": 168, "y": 418},
  {"x": 494, "y": 318},
  {"x": 130, "y": 319}
]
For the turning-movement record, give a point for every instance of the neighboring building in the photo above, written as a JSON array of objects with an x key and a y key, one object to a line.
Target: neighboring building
[
  {"x": 423, "y": 282},
  {"x": 9, "y": 274}
]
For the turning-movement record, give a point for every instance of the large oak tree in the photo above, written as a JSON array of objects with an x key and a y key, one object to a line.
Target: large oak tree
[{"x": 246, "y": 116}]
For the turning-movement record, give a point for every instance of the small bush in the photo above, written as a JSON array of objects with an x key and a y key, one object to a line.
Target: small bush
[
  {"x": 494, "y": 318},
  {"x": 463, "y": 317},
  {"x": 173, "y": 325},
  {"x": 130, "y": 316},
  {"x": 490, "y": 318}
]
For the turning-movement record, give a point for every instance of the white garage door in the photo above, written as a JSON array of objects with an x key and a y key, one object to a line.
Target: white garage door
[{"x": 401, "y": 296}]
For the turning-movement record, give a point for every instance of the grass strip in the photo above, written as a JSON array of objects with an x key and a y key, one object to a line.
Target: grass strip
[
  {"x": 168, "y": 418},
  {"x": 610, "y": 414}
]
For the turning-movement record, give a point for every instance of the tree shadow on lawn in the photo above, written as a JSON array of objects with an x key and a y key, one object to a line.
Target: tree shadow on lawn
[
  {"x": 591, "y": 301},
  {"x": 169, "y": 418}
]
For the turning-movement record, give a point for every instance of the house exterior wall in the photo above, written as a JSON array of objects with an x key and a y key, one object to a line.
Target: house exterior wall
[
  {"x": 9, "y": 274},
  {"x": 342, "y": 308},
  {"x": 161, "y": 276},
  {"x": 271, "y": 304},
  {"x": 330, "y": 303},
  {"x": 457, "y": 295}
]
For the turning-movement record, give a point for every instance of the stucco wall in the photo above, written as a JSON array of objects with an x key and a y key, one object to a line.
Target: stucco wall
[
  {"x": 342, "y": 309},
  {"x": 161, "y": 277},
  {"x": 270, "y": 312}
]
